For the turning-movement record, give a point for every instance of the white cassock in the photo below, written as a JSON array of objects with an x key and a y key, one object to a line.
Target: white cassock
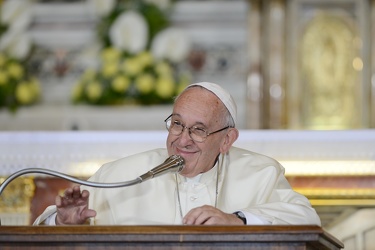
[{"x": 248, "y": 182}]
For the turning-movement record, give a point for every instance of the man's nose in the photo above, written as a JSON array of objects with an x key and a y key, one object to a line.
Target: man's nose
[{"x": 185, "y": 136}]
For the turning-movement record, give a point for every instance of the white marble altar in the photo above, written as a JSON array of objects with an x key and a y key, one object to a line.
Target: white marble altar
[{"x": 80, "y": 153}]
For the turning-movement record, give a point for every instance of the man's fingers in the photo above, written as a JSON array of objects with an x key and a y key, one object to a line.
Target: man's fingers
[
  {"x": 88, "y": 213},
  {"x": 201, "y": 217},
  {"x": 72, "y": 207},
  {"x": 85, "y": 194},
  {"x": 208, "y": 215},
  {"x": 76, "y": 192},
  {"x": 58, "y": 201},
  {"x": 195, "y": 216}
]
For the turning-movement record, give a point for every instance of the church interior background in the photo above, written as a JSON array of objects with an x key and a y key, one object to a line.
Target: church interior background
[{"x": 302, "y": 73}]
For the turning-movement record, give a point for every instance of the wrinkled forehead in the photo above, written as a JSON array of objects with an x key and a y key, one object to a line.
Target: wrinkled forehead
[
  {"x": 200, "y": 105},
  {"x": 223, "y": 95}
]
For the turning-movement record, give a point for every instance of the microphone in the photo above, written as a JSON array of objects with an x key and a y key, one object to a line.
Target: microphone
[{"x": 174, "y": 164}]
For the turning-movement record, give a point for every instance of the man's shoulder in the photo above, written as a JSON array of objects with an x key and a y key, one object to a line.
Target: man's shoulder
[
  {"x": 139, "y": 162},
  {"x": 245, "y": 153},
  {"x": 246, "y": 158}
]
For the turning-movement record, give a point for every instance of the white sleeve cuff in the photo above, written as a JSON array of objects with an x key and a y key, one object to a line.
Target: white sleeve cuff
[
  {"x": 51, "y": 220},
  {"x": 252, "y": 219}
]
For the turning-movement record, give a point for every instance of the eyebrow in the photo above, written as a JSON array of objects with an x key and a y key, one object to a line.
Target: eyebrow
[{"x": 195, "y": 124}]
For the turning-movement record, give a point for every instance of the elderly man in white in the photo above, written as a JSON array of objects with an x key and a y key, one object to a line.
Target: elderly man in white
[{"x": 219, "y": 184}]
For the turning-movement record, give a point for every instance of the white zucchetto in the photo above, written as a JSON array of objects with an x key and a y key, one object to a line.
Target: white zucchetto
[{"x": 222, "y": 94}]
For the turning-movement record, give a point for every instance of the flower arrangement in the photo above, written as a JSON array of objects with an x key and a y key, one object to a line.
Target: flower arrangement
[
  {"x": 139, "y": 57},
  {"x": 17, "y": 86}
]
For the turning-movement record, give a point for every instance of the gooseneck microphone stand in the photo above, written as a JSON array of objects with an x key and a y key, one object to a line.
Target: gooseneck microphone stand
[{"x": 174, "y": 163}]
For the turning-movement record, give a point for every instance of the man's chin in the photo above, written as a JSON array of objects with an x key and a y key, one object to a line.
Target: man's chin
[{"x": 186, "y": 171}]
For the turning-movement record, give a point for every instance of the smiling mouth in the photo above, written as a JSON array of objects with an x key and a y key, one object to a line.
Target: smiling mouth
[{"x": 184, "y": 152}]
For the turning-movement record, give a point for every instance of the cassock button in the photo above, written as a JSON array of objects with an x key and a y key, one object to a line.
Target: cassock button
[{"x": 193, "y": 198}]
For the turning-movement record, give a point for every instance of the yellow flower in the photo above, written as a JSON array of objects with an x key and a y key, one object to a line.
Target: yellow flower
[
  {"x": 163, "y": 69},
  {"x": 88, "y": 75},
  {"x": 181, "y": 87},
  {"x": 132, "y": 67},
  {"x": 3, "y": 60},
  {"x": 165, "y": 87},
  {"x": 77, "y": 91},
  {"x": 15, "y": 70},
  {"x": 3, "y": 78},
  {"x": 183, "y": 83},
  {"x": 145, "y": 83},
  {"x": 35, "y": 87},
  {"x": 110, "y": 55},
  {"x": 94, "y": 91},
  {"x": 120, "y": 84},
  {"x": 109, "y": 69},
  {"x": 24, "y": 94},
  {"x": 145, "y": 58}
]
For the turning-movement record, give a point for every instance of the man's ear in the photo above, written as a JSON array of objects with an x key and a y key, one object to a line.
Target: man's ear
[{"x": 229, "y": 139}]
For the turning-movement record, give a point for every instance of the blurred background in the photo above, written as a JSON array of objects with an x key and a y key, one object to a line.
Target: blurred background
[{"x": 83, "y": 82}]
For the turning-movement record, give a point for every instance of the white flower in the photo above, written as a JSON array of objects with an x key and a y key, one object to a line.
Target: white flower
[
  {"x": 17, "y": 14},
  {"x": 16, "y": 44},
  {"x": 129, "y": 32},
  {"x": 162, "y": 4},
  {"x": 172, "y": 44},
  {"x": 102, "y": 7}
]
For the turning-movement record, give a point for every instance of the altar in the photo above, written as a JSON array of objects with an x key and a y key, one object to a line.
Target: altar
[{"x": 264, "y": 53}]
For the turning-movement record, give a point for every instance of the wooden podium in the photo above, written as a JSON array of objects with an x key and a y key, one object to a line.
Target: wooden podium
[{"x": 166, "y": 237}]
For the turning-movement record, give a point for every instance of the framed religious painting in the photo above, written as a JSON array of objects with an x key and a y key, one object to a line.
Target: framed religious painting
[{"x": 328, "y": 64}]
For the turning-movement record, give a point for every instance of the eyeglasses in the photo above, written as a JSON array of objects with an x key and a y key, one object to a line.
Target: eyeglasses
[{"x": 196, "y": 133}]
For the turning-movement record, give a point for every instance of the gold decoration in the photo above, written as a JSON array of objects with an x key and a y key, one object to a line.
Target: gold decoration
[
  {"x": 330, "y": 79},
  {"x": 16, "y": 197},
  {"x": 339, "y": 196},
  {"x": 317, "y": 168},
  {"x": 337, "y": 193}
]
